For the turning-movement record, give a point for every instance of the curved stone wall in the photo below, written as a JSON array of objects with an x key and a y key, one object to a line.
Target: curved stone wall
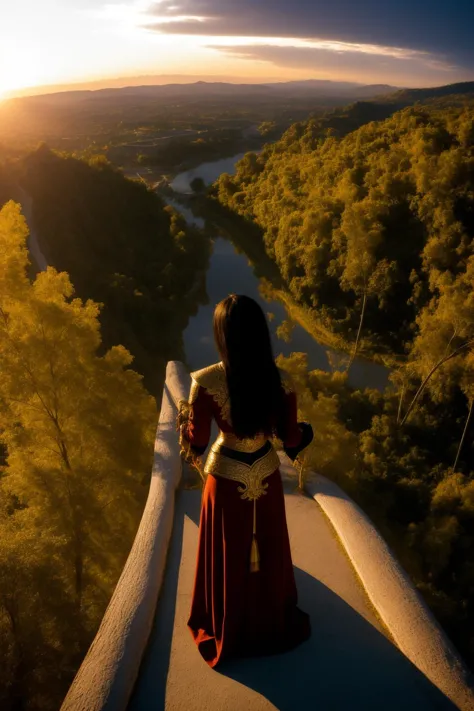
[{"x": 408, "y": 619}]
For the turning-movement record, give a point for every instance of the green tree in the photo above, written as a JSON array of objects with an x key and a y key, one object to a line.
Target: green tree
[
  {"x": 78, "y": 429},
  {"x": 467, "y": 386},
  {"x": 266, "y": 128},
  {"x": 362, "y": 231},
  {"x": 445, "y": 338},
  {"x": 121, "y": 247}
]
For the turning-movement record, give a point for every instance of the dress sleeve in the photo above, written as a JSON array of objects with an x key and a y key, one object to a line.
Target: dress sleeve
[
  {"x": 195, "y": 426},
  {"x": 295, "y": 435},
  {"x": 289, "y": 431}
]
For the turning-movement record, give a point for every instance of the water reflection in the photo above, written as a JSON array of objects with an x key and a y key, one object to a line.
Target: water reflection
[
  {"x": 209, "y": 172},
  {"x": 231, "y": 272}
]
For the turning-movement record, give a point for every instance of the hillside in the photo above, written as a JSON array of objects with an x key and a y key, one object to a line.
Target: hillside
[
  {"x": 325, "y": 186},
  {"x": 121, "y": 247},
  {"x": 342, "y": 121},
  {"x": 411, "y": 96}
]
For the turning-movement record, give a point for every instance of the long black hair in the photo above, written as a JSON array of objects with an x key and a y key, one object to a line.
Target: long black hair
[{"x": 254, "y": 383}]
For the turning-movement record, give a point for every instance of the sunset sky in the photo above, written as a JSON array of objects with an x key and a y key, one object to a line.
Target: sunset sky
[{"x": 401, "y": 42}]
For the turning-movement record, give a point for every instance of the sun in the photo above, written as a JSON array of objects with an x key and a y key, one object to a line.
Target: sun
[
  {"x": 4, "y": 82},
  {"x": 16, "y": 80},
  {"x": 5, "y": 89},
  {"x": 19, "y": 69}
]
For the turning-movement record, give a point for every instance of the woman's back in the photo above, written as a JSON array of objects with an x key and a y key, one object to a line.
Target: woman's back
[
  {"x": 213, "y": 380},
  {"x": 244, "y": 599}
]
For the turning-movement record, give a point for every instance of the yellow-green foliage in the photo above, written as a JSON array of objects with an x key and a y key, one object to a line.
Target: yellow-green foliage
[
  {"x": 403, "y": 477},
  {"x": 123, "y": 248},
  {"x": 78, "y": 430},
  {"x": 333, "y": 446},
  {"x": 380, "y": 213},
  {"x": 445, "y": 327}
]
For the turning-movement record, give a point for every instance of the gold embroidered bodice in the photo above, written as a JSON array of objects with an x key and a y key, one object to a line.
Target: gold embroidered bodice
[{"x": 250, "y": 476}]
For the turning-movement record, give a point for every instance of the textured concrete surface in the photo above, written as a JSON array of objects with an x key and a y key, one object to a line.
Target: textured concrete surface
[
  {"x": 107, "y": 675},
  {"x": 349, "y": 662},
  {"x": 411, "y": 624}
]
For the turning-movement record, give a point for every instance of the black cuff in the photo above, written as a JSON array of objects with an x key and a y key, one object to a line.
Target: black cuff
[{"x": 307, "y": 438}]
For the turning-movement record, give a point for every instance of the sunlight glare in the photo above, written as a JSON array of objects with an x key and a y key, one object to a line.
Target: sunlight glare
[{"x": 19, "y": 67}]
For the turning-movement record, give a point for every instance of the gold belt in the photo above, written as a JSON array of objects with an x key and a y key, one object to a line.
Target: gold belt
[
  {"x": 252, "y": 444},
  {"x": 251, "y": 476}
]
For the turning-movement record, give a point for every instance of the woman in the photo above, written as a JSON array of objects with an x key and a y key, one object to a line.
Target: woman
[{"x": 244, "y": 600}]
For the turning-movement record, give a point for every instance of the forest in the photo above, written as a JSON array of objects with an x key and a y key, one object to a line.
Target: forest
[
  {"x": 83, "y": 348},
  {"x": 371, "y": 232},
  {"x": 363, "y": 227},
  {"x": 124, "y": 248},
  {"x": 77, "y": 428}
]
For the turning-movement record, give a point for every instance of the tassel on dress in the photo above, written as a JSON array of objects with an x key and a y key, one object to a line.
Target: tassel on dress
[
  {"x": 254, "y": 552},
  {"x": 254, "y": 556}
]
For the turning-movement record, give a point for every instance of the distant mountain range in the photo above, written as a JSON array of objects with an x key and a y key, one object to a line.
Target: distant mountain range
[
  {"x": 331, "y": 88},
  {"x": 200, "y": 85},
  {"x": 202, "y": 89},
  {"x": 316, "y": 89}
]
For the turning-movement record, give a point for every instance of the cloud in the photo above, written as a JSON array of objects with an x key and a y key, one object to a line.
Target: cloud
[
  {"x": 405, "y": 42},
  {"x": 426, "y": 25},
  {"x": 359, "y": 63},
  {"x": 397, "y": 41}
]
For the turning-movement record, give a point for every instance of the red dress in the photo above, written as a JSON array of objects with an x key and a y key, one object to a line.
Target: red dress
[{"x": 236, "y": 611}]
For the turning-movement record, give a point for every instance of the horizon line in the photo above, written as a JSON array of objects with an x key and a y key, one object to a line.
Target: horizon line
[{"x": 121, "y": 83}]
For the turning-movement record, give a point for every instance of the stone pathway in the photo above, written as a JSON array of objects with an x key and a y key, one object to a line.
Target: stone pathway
[{"x": 349, "y": 662}]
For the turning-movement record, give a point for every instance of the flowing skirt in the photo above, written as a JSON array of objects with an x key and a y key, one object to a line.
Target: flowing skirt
[{"x": 236, "y": 612}]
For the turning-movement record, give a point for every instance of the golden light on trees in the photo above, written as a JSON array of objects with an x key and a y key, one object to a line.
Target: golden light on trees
[{"x": 78, "y": 430}]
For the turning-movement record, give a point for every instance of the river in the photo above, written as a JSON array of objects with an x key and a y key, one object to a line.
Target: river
[{"x": 230, "y": 272}]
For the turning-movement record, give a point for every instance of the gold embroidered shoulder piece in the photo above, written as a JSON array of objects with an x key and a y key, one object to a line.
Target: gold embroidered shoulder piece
[
  {"x": 214, "y": 381},
  {"x": 193, "y": 393},
  {"x": 287, "y": 381}
]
